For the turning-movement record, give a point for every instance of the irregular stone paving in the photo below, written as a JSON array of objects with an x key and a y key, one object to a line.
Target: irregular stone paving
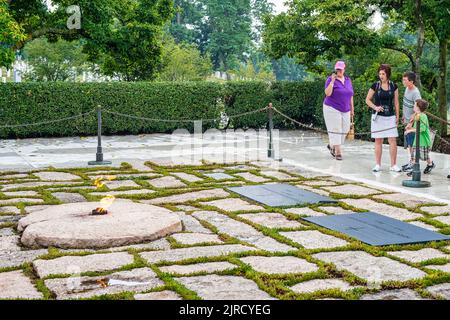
[
  {"x": 270, "y": 220},
  {"x": 136, "y": 280},
  {"x": 409, "y": 201},
  {"x": 382, "y": 208},
  {"x": 234, "y": 204},
  {"x": 371, "y": 268},
  {"x": 189, "y": 196},
  {"x": 15, "y": 285},
  {"x": 279, "y": 265},
  {"x": 195, "y": 252},
  {"x": 196, "y": 238},
  {"x": 198, "y": 233},
  {"x": 214, "y": 287},
  {"x": 160, "y": 295},
  {"x": 313, "y": 239},
  {"x": 241, "y": 231},
  {"x": 209, "y": 267},
  {"x": 352, "y": 189},
  {"x": 166, "y": 182},
  {"x": 398, "y": 294},
  {"x": 321, "y": 284},
  {"x": 419, "y": 255},
  {"x": 79, "y": 264}
]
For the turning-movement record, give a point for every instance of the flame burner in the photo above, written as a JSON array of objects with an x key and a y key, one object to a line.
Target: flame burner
[{"x": 99, "y": 212}]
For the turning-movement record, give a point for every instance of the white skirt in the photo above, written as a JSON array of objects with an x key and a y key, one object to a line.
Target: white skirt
[{"x": 385, "y": 127}]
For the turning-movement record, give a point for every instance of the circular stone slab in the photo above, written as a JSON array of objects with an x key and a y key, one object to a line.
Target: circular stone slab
[{"x": 71, "y": 226}]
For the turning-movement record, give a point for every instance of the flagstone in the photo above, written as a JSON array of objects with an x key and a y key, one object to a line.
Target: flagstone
[
  {"x": 126, "y": 176},
  {"x": 160, "y": 244},
  {"x": 160, "y": 295},
  {"x": 37, "y": 184},
  {"x": 311, "y": 286},
  {"x": 279, "y": 265},
  {"x": 136, "y": 280},
  {"x": 56, "y": 176},
  {"x": 233, "y": 204},
  {"x": 305, "y": 212},
  {"x": 371, "y": 268},
  {"x": 21, "y": 194},
  {"x": 419, "y": 255},
  {"x": 408, "y": 200},
  {"x": 189, "y": 196},
  {"x": 9, "y": 209},
  {"x": 31, "y": 209},
  {"x": 15, "y": 176},
  {"x": 116, "y": 184},
  {"x": 6, "y": 232},
  {"x": 186, "y": 176},
  {"x": 10, "y": 218},
  {"x": 186, "y": 208},
  {"x": 209, "y": 267},
  {"x": 16, "y": 258},
  {"x": 241, "y": 231},
  {"x": 196, "y": 238},
  {"x": 336, "y": 210},
  {"x": 122, "y": 193},
  {"x": 443, "y": 267},
  {"x": 319, "y": 183},
  {"x": 15, "y": 285},
  {"x": 19, "y": 200},
  {"x": 442, "y": 290},
  {"x": 9, "y": 243},
  {"x": 69, "y": 197},
  {"x": 215, "y": 287},
  {"x": 277, "y": 175},
  {"x": 313, "y": 239},
  {"x": 193, "y": 252},
  {"x": 270, "y": 220},
  {"x": 315, "y": 190},
  {"x": 382, "y": 208},
  {"x": 437, "y": 210},
  {"x": 191, "y": 224},
  {"x": 424, "y": 225},
  {"x": 443, "y": 219},
  {"x": 352, "y": 189},
  {"x": 79, "y": 264},
  {"x": 397, "y": 294},
  {"x": 166, "y": 182},
  {"x": 251, "y": 177}
]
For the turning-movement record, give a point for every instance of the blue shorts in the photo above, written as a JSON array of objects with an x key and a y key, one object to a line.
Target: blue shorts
[{"x": 409, "y": 139}]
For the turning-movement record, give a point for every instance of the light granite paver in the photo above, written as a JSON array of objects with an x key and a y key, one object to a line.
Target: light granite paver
[
  {"x": 424, "y": 225},
  {"x": 78, "y": 264},
  {"x": 56, "y": 176},
  {"x": 313, "y": 239},
  {"x": 371, "y": 268},
  {"x": 352, "y": 189},
  {"x": 209, "y": 267},
  {"x": 437, "y": 210},
  {"x": 315, "y": 190},
  {"x": 189, "y": 196},
  {"x": 19, "y": 200},
  {"x": 251, "y": 177},
  {"x": 270, "y": 220},
  {"x": 215, "y": 287},
  {"x": 15, "y": 284},
  {"x": 136, "y": 280},
  {"x": 419, "y": 255},
  {"x": 397, "y": 294},
  {"x": 241, "y": 231},
  {"x": 196, "y": 238},
  {"x": 277, "y": 175},
  {"x": 443, "y": 267},
  {"x": 9, "y": 209},
  {"x": 234, "y": 204},
  {"x": 382, "y": 208},
  {"x": 17, "y": 258},
  {"x": 311, "y": 286},
  {"x": 191, "y": 224},
  {"x": 194, "y": 252},
  {"x": 69, "y": 197},
  {"x": 443, "y": 219},
  {"x": 409, "y": 201},
  {"x": 123, "y": 193},
  {"x": 279, "y": 265},
  {"x": 116, "y": 184},
  {"x": 160, "y": 295},
  {"x": 21, "y": 194},
  {"x": 441, "y": 290},
  {"x": 319, "y": 183},
  {"x": 305, "y": 212},
  {"x": 166, "y": 182},
  {"x": 37, "y": 184},
  {"x": 9, "y": 243},
  {"x": 336, "y": 210},
  {"x": 186, "y": 176}
]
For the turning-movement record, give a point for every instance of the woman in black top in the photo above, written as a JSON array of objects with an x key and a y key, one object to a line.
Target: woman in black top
[{"x": 383, "y": 99}]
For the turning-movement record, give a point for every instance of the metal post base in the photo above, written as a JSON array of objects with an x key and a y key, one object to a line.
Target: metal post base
[
  {"x": 99, "y": 163},
  {"x": 416, "y": 184}
]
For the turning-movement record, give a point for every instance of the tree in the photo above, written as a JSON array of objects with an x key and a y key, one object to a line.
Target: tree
[
  {"x": 183, "y": 62},
  {"x": 186, "y": 23},
  {"x": 12, "y": 33},
  {"x": 125, "y": 35},
  {"x": 60, "y": 61}
]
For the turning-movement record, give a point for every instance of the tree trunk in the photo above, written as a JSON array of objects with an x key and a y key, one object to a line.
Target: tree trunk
[
  {"x": 420, "y": 40},
  {"x": 442, "y": 90}
]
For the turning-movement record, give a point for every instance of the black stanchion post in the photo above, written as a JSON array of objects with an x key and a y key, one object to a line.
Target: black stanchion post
[
  {"x": 270, "y": 151},
  {"x": 416, "y": 175},
  {"x": 99, "y": 155}
]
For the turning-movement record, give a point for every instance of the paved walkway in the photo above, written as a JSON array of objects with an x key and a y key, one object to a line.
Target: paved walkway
[{"x": 304, "y": 149}]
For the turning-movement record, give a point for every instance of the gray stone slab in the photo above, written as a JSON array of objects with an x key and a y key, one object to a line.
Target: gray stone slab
[
  {"x": 279, "y": 265},
  {"x": 122, "y": 193},
  {"x": 382, "y": 208},
  {"x": 219, "y": 176},
  {"x": 443, "y": 267},
  {"x": 233, "y": 204},
  {"x": 376, "y": 229},
  {"x": 417, "y": 256},
  {"x": 437, "y": 210},
  {"x": 186, "y": 176},
  {"x": 136, "y": 280},
  {"x": 373, "y": 269},
  {"x": 69, "y": 197},
  {"x": 352, "y": 189},
  {"x": 56, "y": 176},
  {"x": 305, "y": 212},
  {"x": 15, "y": 285},
  {"x": 191, "y": 224},
  {"x": 313, "y": 239},
  {"x": 21, "y": 194},
  {"x": 270, "y": 220},
  {"x": 251, "y": 177},
  {"x": 9, "y": 209},
  {"x": 215, "y": 287},
  {"x": 443, "y": 219},
  {"x": 9, "y": 243},
  {"x": 321, "y": 284},
  {"x": 189, "y": 196},
  {"x": 20, "y": 200},
  {"x": 208, "y": 267},
  {"x": 397, "y": 294},
  {"x": 277, "y": 195},
  {"x": 17, "y": 258},
  {"x": 196, "y": 238},
  {"x": 441, "y": 290},
  {"x": 160, "y": 295},
  {"x": 166, "y": 182},
  {"x": 116, "y": 184}
]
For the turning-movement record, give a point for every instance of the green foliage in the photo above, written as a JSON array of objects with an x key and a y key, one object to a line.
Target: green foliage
[
  {"x": 12, "y": 32},
  {"x": 60, "y": 61}
]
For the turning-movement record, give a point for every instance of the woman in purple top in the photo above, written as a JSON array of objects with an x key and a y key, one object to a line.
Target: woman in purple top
[{"x": 338, "y": 108}]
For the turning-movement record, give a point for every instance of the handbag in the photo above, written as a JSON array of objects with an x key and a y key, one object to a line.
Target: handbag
[{"x": 351, "y": 132}]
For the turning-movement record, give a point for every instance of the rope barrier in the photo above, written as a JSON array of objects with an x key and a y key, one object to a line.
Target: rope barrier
[{"x": 46, "y": 122}]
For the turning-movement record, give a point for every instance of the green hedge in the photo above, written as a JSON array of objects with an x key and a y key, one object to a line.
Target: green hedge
[{"x": 35, "y": 102}]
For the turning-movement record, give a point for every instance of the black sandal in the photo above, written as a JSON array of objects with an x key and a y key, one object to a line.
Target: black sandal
[
  {"x": 338, "y": 157},
  {"x": 331, "y": 151}
]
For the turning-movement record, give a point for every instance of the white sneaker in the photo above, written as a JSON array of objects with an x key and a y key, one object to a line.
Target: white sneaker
[
  {"x": 377, "y": 168},
  {"x": 395, "y": 168}
]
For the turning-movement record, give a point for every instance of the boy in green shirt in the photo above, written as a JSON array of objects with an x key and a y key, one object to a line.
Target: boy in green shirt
[{"x": 425, "y": 137}]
